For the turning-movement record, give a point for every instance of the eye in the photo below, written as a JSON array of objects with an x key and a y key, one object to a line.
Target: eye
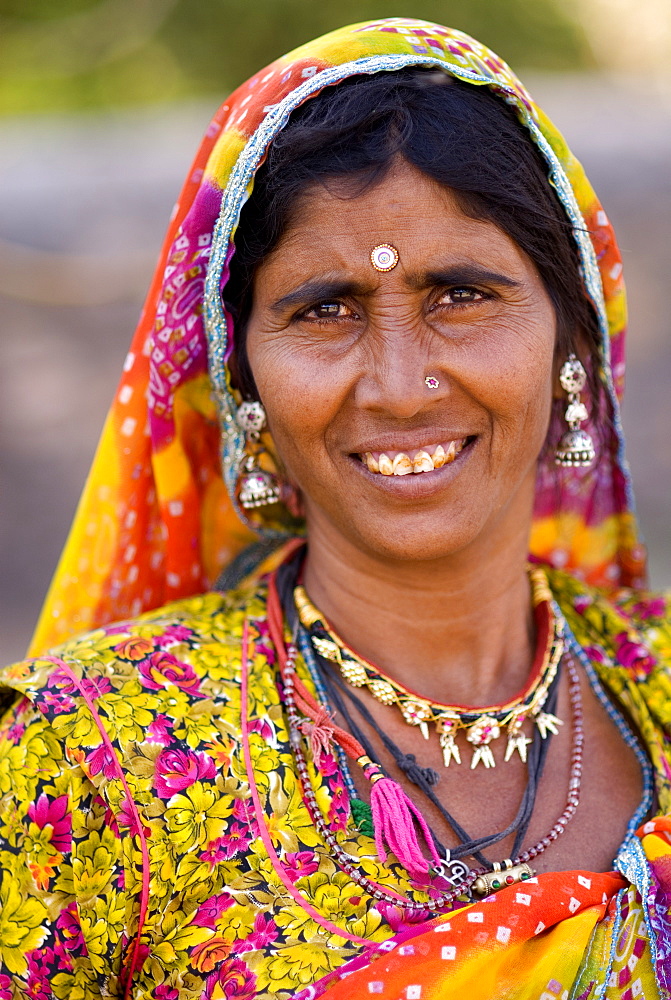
[
  {"x": 327, "y": 310},
  {"x": 461, "y": 295}
]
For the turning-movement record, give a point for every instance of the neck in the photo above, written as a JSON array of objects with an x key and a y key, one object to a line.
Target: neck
[{"x": 457, "y": 630}]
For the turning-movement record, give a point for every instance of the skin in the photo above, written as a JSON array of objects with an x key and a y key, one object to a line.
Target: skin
[{"x": 425, "y": 574}]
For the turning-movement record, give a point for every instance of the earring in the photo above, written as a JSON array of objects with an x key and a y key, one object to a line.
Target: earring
[
  {"x": 576, "y": 447},
  {"x": 258, "y": 488}
]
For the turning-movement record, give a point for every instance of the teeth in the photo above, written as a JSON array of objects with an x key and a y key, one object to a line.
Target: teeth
[
  {"x": 386, "y": 468},
  {"x": 422, "y": 462},
  {"x": 438, "y": 457},
  {"x": 401, "y": 465}
]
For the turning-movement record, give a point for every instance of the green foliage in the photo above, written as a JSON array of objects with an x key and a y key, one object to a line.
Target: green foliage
[{"x": 80, "y": 54}]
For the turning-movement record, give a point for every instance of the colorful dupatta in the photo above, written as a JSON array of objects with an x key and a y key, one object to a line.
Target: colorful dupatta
[{"x": 158, "y": 518}]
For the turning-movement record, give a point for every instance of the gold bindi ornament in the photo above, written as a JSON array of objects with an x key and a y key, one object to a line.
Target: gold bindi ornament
[{"x": 384, "y": 257}]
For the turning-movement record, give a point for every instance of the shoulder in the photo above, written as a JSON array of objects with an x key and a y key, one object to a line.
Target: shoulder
[
  {"x": 626, "y": 634},
  {"x": 163, "y": 646},
  {"x": 175, "y": 670},
  {"x": 632, "y": 624}
]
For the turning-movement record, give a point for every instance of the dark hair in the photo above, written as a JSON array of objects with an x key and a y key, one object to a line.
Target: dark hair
[{"x": 463, "y": 136}]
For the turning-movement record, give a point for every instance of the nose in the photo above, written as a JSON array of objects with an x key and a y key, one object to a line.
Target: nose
[{"x": 399, "y": 378}]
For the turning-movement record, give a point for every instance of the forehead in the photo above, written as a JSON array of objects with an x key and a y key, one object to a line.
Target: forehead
[{"x": 334, "y": 226}]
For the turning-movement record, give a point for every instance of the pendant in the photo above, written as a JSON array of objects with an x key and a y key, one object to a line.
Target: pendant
[
  {"x": 519, "y": 742},
  {"x": 449, "y": 748},
  {"x": 490, "y": 882},
  {"x": 454, "y": 872},
  {"x": 483, "y": 753},
  {"x": 547, "y": 723},
  {"x": 480, "y": 734},
  {"x": 417, "y": 713}
]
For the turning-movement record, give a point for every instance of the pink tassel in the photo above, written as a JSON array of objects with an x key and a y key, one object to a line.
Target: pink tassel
[
  {"x": 320, "y": 733},
  {"x": 393, "y": 821}
]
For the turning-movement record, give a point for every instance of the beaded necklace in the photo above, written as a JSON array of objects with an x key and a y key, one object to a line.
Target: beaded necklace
[
  {"x": 394, "y": 827},
  {"x": 481, "y": 728}
]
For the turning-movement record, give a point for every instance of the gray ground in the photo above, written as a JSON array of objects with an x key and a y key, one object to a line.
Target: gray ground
[{"x": 99, "y": 192}]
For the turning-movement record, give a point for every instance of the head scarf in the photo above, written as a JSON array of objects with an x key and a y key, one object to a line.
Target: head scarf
[{"x": 158, "y": 518}]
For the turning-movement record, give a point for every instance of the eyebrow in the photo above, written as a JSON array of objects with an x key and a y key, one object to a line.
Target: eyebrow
[
  {"x": 319, "y": 289},
  {"x": 461, "y": 274}
]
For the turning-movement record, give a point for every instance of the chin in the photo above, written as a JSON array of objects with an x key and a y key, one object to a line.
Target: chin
[{"x": 413, "y": 537}]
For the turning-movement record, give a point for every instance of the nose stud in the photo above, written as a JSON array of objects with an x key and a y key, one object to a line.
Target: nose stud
[
  {"x": 384, "y": 257},
  {"x": 431, "y": 382}
]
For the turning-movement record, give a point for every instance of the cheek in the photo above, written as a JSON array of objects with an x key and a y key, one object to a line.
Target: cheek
[
  {"x": 300, "y": 402},
  {"x": 514, "y": 379}
]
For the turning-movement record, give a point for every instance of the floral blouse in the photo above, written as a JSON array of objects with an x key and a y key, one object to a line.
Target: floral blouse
[{"x": 153, "y": 834}]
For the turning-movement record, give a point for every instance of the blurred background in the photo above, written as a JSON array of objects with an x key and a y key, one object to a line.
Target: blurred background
[{"x": 102, "y": 105}]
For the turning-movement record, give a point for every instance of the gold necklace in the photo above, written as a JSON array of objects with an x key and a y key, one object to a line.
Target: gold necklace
[{"x": 482, "y": 726}]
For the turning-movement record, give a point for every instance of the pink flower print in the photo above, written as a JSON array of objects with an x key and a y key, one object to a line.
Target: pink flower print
[
  {"x": 102, "y": 759},
  {"x": 243, "y": 810},
  {"x": 233, "y": 980},
  {"x": 6, "y": 991},
  {"x": 14, "y": 734},
  {"x": 177, "y": 769},
  {"x": 96, "y": 687},
  {"x": 596, "y": 654},
  {"x": 328, "y": 765},
  {"x": 161, "y": 670},
  {"x": 339, "y": 808},
  {"x": 209, "y": 912},
  {"x": 655, "y": 607},
  {"x": 127, "y": 819},
  {"x": 398, "y": 919},
  {"x": 166, "y": 992},
  {"x": 54, "y": 813},
  {"x": 62, "y": 682},
  {"x": 237, "y": 837},
  {"x": 159, "y": 730},
  {"x": 264, "y": 729},
  {"x": 300, "y": 864},
  {"x": 57, "y": 702},
  {"x": 177, "y": 633},
  {"x": 70, "y": 929},
  {"x": 41, "y": 964},
  {"x": 634, "y": 656},
  {"x": 581, "y": 603},
  {"x": 264, "y": 933}
]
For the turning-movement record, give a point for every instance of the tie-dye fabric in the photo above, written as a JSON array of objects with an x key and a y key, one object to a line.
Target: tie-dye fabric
[
  {"x": 155, "y": 842},
  {"x": 158, "y": 518}
]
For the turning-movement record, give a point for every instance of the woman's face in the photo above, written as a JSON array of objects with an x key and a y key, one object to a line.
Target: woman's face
[{"x": 340, "y": 353}]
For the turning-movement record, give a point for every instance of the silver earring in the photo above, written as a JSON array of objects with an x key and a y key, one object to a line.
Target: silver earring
[
  {"x": 257, "y": 488},
  {"x": 576, "y": 447}
]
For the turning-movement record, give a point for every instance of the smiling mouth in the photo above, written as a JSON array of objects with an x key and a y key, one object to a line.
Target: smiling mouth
[{"x": 415, "y": 461}]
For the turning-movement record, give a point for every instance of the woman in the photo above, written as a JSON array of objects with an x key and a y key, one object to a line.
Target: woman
[{"x": 401, "y": 760}]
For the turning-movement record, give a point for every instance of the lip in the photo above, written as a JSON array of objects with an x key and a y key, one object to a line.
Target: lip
[
  {"x": 416, "y": 487},
  {"x": 393, "y": 444}
]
